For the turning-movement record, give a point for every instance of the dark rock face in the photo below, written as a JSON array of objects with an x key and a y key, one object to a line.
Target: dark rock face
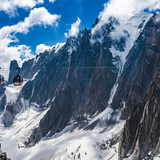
[
  {"x": 13, "y": 71},
  {"x": 2, "y": 97},
  {"x": 139, "y": 70},
  {"x": 85, "y": 89},
  {"x": 32, "y": 66},
  {"x": 141, "y": 131},
  {"x": 3, "y": 155},
  {"x": 10, "y": 112}
]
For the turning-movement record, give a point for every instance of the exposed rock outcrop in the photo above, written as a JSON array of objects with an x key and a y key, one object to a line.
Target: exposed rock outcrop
[
  {"x": 141, "y": 137},
  {"x": 85, "y": 90},
  {"x": 13, "y": 71},
  {"x": 10, "y": 112},
  {"x": 3, "y": 155}
]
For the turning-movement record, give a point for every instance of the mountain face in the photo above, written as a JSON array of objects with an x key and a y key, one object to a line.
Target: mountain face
[
  {"x": 94, "y": 80},
  {"x": 2, "y": 98},
  {"x": 69, "y": 83},
  {"x": 140, "y": 68},
  {"x": 78, "y": 77},
  {"x": 13, "y": 71},
  {"x": 140, "y": 136}
]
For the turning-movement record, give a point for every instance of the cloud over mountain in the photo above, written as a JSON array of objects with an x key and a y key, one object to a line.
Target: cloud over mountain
[
  {"x": 74, "y": 29},
  {"x": 41, "y": 48},
  {"x": 125, "y": 9},
  {"x": 37, "y": 16}
]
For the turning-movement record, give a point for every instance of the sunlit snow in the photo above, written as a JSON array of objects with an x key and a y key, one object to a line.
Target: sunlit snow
[{"x": 79, "y": 145}]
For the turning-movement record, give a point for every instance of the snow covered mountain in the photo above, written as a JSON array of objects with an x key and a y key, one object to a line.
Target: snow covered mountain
[{"x": 76, "y": 97}]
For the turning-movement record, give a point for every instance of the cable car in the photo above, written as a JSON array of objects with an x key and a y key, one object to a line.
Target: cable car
[
  {"x": 1, "y": 79},
  {"x": 18, "y": 80}
]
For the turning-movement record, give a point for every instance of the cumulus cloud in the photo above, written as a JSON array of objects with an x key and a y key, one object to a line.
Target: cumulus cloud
[
  {"x": 41, "y": 48},
  {"x": 125, "y": 9},
  {"x": 73, "y": 32},
  {"x": 38, "y": 16},
  {"x": 10, "y": 6},
  {"x": 51, "y": 1},
  {"x": 17, "y": 52}
]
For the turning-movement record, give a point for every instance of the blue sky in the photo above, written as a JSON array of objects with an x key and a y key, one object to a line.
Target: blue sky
[
  {"x": 86, "y": 10},
  {"x": 28, "y": 27}
]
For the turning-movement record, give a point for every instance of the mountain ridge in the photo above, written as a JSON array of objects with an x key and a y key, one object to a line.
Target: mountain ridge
[{"x": 89, "y": 82}]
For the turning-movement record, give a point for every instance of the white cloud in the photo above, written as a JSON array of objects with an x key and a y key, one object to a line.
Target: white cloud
[
  {"x": 14, "y": 52},
  {"x": 41, "y": 48},
  {"x": 52, "y": 1},
  {"x": 10, "y": 6},
  {"x": 73, "y": 32},
  {"x": 125, "y": 9},
  {"x": 38, "y": 16},
  {"x": 66, "y": 35}
]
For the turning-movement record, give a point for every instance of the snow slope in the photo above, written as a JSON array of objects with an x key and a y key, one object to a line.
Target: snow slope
[
  {"x": 78, "y": 145},
  {"x": 12, "y": 93}
]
